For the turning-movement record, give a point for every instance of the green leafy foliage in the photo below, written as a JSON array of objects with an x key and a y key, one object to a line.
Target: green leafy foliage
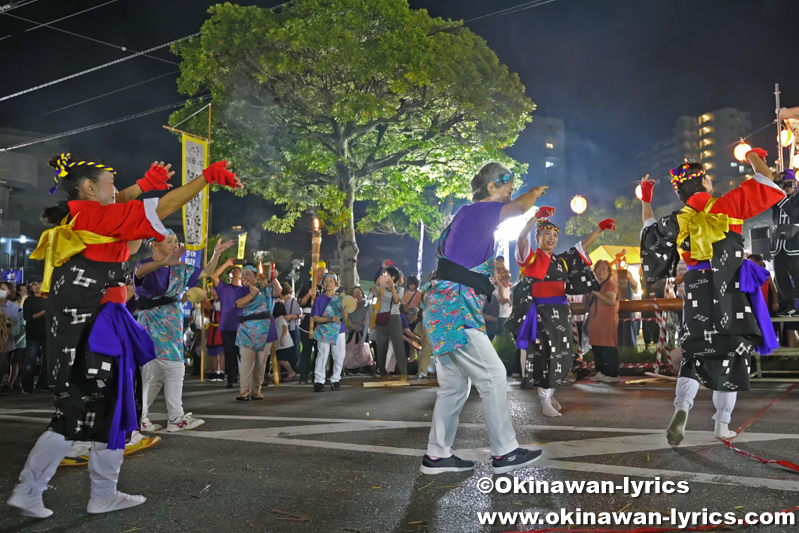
[{"x": 328, "y": 102}]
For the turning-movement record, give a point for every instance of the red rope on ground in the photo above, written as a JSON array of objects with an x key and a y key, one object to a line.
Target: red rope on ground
[{"x": 742, "y": 427}]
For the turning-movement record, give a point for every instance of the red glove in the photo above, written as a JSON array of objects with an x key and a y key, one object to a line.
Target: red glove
[
  {"x": 608, "y": 223},
  {"x": 219, "y": 174},
  {"x": 154, "y": 179},
  {"x": 545, "y": 212},
  {"x": 759, "y": 151},
  {"x": 646, "y": 192}
]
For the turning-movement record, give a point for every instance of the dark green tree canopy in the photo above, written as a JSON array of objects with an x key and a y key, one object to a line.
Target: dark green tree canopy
[{"x": 326, "y": 102}]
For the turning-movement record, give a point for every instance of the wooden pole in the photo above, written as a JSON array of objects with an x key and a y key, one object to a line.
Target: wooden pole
[
  {"x": 635, "y": 306},
  {"x": 207, "y": 191},
  {"x": 170, "y": 128}
]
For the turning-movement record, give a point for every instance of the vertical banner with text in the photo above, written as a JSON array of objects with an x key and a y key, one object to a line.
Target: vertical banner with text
[{"x": 195, "y": 213}]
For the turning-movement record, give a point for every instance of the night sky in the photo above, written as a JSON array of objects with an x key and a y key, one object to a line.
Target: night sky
[{"x": 619, "y": 73}]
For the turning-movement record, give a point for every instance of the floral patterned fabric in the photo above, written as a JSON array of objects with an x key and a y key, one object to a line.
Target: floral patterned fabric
[
  {"x": 328, "y": 332},
  {"x": 165, "y": 322},
  {"x": 253, "y": 334},
  {"x": 451, "y": 308}
]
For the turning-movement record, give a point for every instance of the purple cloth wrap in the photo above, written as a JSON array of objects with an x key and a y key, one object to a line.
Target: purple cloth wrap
[
  {"x": 529, "y": 327},
  {"x": 752, "y": 277},
  {"x": 117, "y": 334}
]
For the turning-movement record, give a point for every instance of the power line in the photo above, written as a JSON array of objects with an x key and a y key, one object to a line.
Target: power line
[
  {"x": 511, "y": 10},
  {"x": 98, "y": 41},
  {"x": 94, "y": 98},
  {"x": 14, "y": 5},
  {"x": 94, "y": 69},
  {"x": 107, "y": 123},
  {"x": 52, "y": 21}
]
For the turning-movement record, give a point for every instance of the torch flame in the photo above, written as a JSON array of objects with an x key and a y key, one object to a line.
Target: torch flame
[
  {"x": 260, "y": 267},
  {"x": 316, "y": 224}
]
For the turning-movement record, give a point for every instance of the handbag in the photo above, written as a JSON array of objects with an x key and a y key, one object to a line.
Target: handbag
[{"x": 383, "y": 319}]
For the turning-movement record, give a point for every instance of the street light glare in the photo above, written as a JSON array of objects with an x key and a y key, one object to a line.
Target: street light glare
[{"x": 510, "y": 229}]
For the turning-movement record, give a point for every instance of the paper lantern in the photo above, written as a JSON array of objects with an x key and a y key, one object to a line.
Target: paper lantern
[
  {"x": 786, "y": 137},
  {"x": 741, "y": 150},
  {"x": 578, "y": 204},
  {"x": 638, "y": 192},
  {"x": 796, "y": 161}
]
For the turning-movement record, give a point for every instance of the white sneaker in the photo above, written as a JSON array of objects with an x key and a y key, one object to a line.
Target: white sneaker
[
  {"x": 421, "y": 376},
  {"x": 722, "y": 431},
  {"x": 29, "y": 502},
  {"x": 608, "y": 379},
  {"x": 146, "y": 425},
  {"x": 597, "y": 377},
  {"x": 184, "y": 422},
  {"x": 116, "y": 502}
]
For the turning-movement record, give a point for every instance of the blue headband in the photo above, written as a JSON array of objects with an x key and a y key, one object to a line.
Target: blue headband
[
  {"x": 250, "y": 268},
  {"x": 505, "y": 178}
]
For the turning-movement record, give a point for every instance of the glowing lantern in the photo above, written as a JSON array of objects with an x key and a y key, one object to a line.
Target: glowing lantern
[
  {"x": 796, "y": 161},
  {"x": 578, "y": 204},
  {"x": 741, "y": 150},
  {"x": 786, "y": 137},
  {"x": 638, "y": 192}
]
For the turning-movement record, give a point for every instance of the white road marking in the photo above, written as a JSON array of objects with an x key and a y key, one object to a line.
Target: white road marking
[{"x": 636, "y": 440}]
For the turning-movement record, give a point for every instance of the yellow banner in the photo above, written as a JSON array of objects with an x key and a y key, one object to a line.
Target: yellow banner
[
  {"x": 195, "y": 213},
  {"x": 242, "y": 244}
]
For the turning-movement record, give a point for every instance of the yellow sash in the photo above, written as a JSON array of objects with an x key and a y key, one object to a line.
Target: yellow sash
[
  {"x": 58, "y": 244},
  {"x": 704, "y": 229}
]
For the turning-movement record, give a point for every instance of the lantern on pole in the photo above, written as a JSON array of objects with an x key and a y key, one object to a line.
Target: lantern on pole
[
  {"x": 786, "y": 137},
  {"x": 741, "y": 151},
  {"x": 578, "y": 204},
  {"x": 316, "y": 245}
]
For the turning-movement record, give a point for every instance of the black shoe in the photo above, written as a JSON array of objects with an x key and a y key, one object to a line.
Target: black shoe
[
  {"x": 335, "y": 386},
  {"x": 446, "y": 464},
  {"x": 518, "y": 458},
  {"x": 319, "y": 387}
]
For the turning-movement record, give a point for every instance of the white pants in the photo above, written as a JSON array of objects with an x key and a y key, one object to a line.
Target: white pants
[
  {"x": 52, "y": 447},
  {"x": 686, "y": 390},
  {"x": 477, "y": 363},
  {"x": 252, "y": 368},
  {"x": 159, "y": 373},
  {"x": 323, "y": 351}
]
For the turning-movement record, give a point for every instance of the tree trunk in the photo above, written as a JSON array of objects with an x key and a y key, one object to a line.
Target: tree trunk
[{"x": 348, "y": 248}]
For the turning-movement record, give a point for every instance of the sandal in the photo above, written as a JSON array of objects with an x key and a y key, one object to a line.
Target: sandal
[
  {"x": 259, "y": 397},
  {"x": 243, "y": 398}
]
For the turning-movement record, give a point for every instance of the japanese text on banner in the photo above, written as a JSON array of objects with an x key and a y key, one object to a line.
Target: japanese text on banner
[{"x": 195, "y": 213}]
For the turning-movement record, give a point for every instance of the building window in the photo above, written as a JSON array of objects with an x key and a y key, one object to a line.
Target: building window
[
  {"x": 550, "y": 146},
  {"x": 707, "y": 154},
  {"x": 550, "y": 164},
  {"x": 707, "y": 142},
  {"x": 708, "y": 165},
  {"x": 733, "y": 164},
  {"x": 741, "y": 169},
  {"x": 705, "y": 118}
]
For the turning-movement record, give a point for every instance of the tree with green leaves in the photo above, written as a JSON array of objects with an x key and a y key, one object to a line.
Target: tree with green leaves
[{"x": 323, "y": 103}]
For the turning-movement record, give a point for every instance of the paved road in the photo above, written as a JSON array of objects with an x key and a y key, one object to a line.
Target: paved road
[{"x": 348, "y": 461}]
